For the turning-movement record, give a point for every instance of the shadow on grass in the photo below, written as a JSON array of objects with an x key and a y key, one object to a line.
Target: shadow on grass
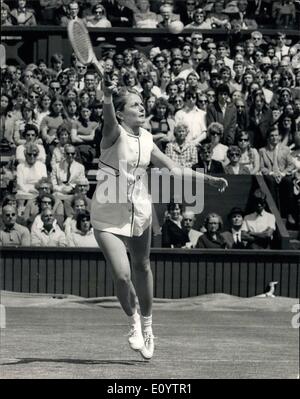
[{"x": 75, "y": 361}]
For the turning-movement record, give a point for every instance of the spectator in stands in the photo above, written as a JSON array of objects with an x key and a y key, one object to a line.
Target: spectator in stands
[
  {"x": 49, "y": 234},
  {"x": 43, "y": 200},
  {"x": 10, "y": 199},
  {"x": 277, "y": 167},
  {"x": 205, "y": 160},
  {"x": 22, "y": 15},
  {"x": 78, "y": 204},
  {"x": 98, "y": 18},
  {"x": 118, "y": 14},
  {"x": 6, "y": 122},
  {"x": 29, "y": 173},
  {"x": 166, "y": 16},
  {"x": 72, "y": 13},
  {"x": 212, "y": 238},
  {"x": 13, "y": 234},
  {"x": 160, "y": 124},
  {"x": 31, "y": 134},
  {"x": 281, "y": 48},
  {"x": 242, "y": 117},
  {"x": 245, "y": 18},
  {"x": 260, "y": 120},
  {"x": 66, "y": 173},
  {"x": 6, "y": 19},
  {"x": 224, "y": 112},
  {"x": 287, "y": 126},
  {"x": 234, "y": 167},
  {"x": 284, "y": 13},
  {"x": 215, "y": 133},
  {"x": 28, "y": 117},
  {"x": 188, "y": 10},
  {"x": 259, "y": 226},
  {"x": 181, "y": 151},
  {"x": 64, "y": 137},
  {"x": 173, "y": 236},
  {"x": 83, "y": 236},
  {"x": 143, "y": 17},
  {"x": 233, "y": 236},
  {"x": 193, "y": 117},
  {"x": 44, "y": 107},
  {"x": 249, "y": 155},
  {"x": 81, "y": 188},
  {"x": 188, "y": 220}
]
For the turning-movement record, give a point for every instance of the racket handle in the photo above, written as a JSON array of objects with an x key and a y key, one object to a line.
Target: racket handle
[{"x": 98, "y": 67}]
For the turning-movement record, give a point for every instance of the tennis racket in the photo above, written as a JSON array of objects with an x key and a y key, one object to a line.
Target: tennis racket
[
  {"x": 82, "y": 46},
  {"x": 2, "y": 55}
]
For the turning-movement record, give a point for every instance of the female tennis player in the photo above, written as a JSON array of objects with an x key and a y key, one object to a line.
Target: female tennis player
[{"x": 126, "y": 151}]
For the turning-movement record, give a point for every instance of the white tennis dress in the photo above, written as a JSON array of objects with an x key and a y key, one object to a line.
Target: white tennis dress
[{"x": 121, "y": 203}]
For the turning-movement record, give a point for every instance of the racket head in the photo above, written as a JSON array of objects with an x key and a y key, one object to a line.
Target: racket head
[
  {"x": 81, "y": 42},
  {"x": 2, "y": 55}
]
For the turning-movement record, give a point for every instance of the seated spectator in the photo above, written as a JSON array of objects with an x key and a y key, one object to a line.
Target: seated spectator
[
  {"x": 215, "y": 133},
  {"x": 233, "y": 237},
  {"x": 187, "y": 12},
  {"x": 29, "y": 173},
  {"x": 143, "y": 17},
  {"x": 22, "y": 15},
  {"x": 118, "y": 14},
  {"x": 82, "y": 187},
  {"x": 10, "y": 199},
  {"x": 64, "y": 137},
  {"x": 277, "y": 167},
  {"x": 28, "y": 117},
  {"x": 83, "y": 236},
  {"x": 244, "y": 18},
  {"x": 6, "y": 19},
  {"x": 234, "y": 167},
  {"x": 44, "y": 201},
  {"x": 166, "y": 16},
  {"x": 224, "y": 112},
  {"x": 173, "y": 235},
  {"x": 72, "y": 13},
  {"x": 287, "y": 126},
  {"x": 6, "y": 123},
  {"x": 188, "y": 220},
  {"x": 242, "y": 117},
  {"x": 205, "y": 161},
  {"x": 212, "y": 238},
  {"x": 66, "y": 173},
  {"x": 13, "y": 234},
  {"x": 36, "y": 205},
  {"x": 98, "y": 18},
  {"x": 259, "y": 226},
  {"x": 284, "y": 13},
  {"x": 78, "y": 204},
  {"x": 193, "y": 117},
  {"x": 49, "y": 234},
  {"x": 201, "y": 21},
  {"x": 31, "y": 134},
  {"x": 249, "y": 155},
  {"x": 180, "y": 151},
  {"x": 160, "y": 124}
]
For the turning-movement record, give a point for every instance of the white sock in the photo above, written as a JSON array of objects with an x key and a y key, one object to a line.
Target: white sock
[
  {"x": 147, "y": 323},
  {"x": 134, "y": 319}
]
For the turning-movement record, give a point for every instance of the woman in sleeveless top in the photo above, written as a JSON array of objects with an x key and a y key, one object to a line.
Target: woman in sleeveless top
[{"x": 121, "y": 206}]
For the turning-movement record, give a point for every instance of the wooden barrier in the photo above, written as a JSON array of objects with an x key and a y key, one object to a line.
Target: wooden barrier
[{"x": 177, "y": 273}]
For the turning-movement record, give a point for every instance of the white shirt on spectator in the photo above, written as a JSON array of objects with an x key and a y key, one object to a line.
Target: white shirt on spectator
[
  {"x": 44, "y": 238},
  {"x": 195, "y": 119},
  {"x": 219, "y": 153},
  {"x": 78, "y": 239},
  {"x": 257, "y": 223}
]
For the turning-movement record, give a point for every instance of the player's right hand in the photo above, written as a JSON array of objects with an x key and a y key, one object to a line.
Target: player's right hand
[{"x": 108, "y": 86}]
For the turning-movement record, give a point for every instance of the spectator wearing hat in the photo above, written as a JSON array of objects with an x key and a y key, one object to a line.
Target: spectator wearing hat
[
  {"x": 13, "y": 234},
  {"x": 259, "y": 226},
  {"x": 233, "y": 236},
  {"x": 224, "y": 112}
]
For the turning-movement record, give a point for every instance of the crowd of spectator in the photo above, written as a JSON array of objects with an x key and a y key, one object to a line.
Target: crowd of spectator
[
  {"x": 228, "y": 107},
  {"x": 201, "y": 14}
]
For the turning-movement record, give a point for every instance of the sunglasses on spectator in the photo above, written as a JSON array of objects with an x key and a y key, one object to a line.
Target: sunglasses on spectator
[
  {"x": 31, "y": 154},
  {"x": 46, "y": 202},
  {"x": 43, "y": 188},
  {"x": 10, "y": 215},
  {"x": 188, "y": 219},
  {"x": 55, "y": 88},
  {"x": 232, "y": 154},
  {"x": 240, "y": 106},
  {"x": 70, "y": 153},
  {"x": 203, "y": 101},
  {"x": 215, "y": 134},
  {"x": 32, "y": 96},
  {"x": 243, "y": 139},
  {"x": 81, "y": 67},
  {"x": 30, "y": 134}
]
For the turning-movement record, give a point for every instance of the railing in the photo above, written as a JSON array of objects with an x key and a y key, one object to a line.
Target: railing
[{"x": 177, "y": 273}]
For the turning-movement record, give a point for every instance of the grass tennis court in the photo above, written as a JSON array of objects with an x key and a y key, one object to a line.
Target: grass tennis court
[{"x": 212, "y": 336}]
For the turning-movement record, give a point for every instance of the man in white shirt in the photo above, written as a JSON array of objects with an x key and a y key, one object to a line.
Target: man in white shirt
[
  {"x": 259, "y": 226},
  {"x": 49, "y": 234},
  {"x": 281, "y": 49},
  {"x": 193, "y": 117}
]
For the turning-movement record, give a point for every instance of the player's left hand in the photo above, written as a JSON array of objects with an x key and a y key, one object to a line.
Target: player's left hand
[{"x": 220, "y": 183}]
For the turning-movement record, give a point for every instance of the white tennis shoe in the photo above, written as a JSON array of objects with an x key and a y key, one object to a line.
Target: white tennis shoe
[
  {"x": 136, "y": 339},
  {"x": 148, "y": 349}
]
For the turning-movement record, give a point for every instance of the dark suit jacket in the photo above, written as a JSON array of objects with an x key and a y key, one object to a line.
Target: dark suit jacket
[
  {"x": 173, "y": 235},
  {"x": 215, "y": 114},
  {"x": 214, "y": 166},
  {"x": 230, "y": 244},
  {"x": 206, "y": 242},
  {"x": 114, "y": 15},
  {"x": 258, "y": 131}
]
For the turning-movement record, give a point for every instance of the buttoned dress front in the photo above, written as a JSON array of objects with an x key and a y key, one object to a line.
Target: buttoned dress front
[{"x": 121, "y": 203}]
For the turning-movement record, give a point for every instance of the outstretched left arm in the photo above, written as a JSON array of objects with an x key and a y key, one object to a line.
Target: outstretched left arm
[{"x": 160, "y": 160}]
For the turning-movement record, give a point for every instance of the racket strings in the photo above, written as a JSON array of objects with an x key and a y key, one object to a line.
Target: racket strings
[{"x": 81, "y": 43}]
